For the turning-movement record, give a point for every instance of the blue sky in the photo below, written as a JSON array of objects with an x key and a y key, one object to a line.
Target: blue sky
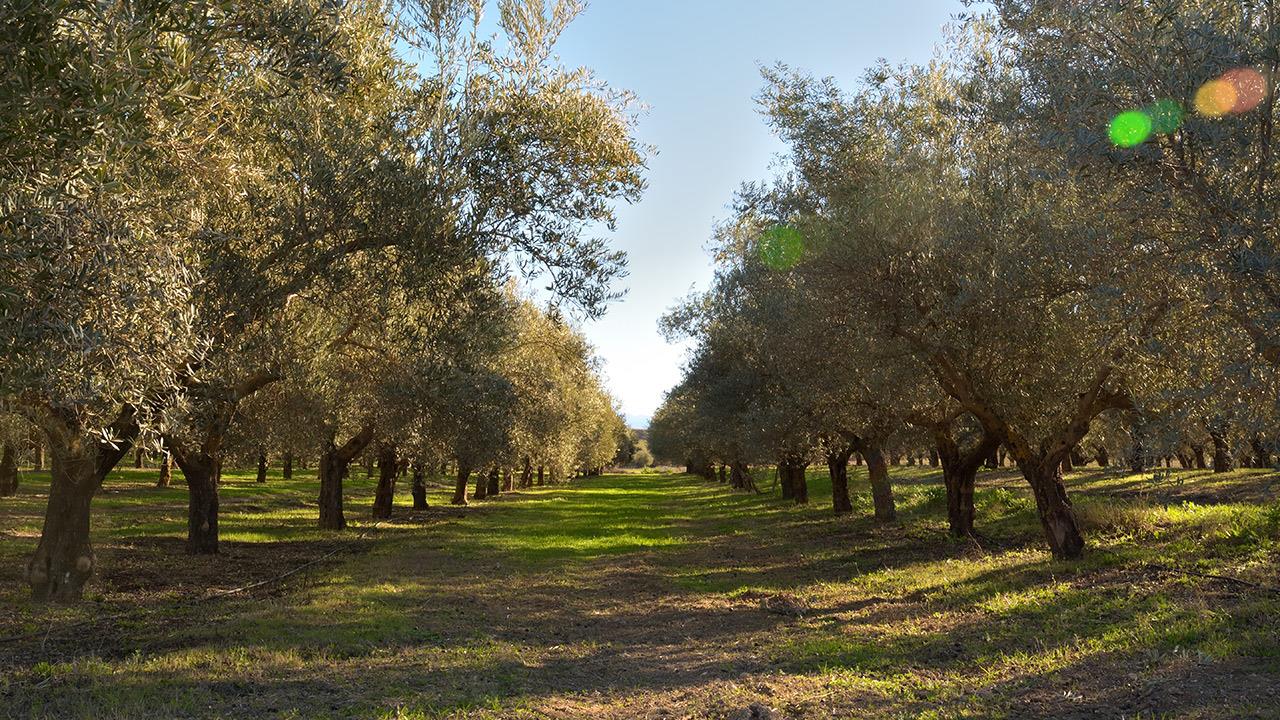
[{"x": 695, "y": 64}]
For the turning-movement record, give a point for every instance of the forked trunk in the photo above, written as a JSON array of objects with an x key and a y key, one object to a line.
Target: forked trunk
[
  {"x": 64, "y": 560},
  {"x": 881, "y": 487},
  {"x": 460, "y": 487},
  {"x": 8, "y": 471},
  {"x": 385, "y": 494},
  {"x": 838, "y": 466},
  {"x": 419, "y": 487},
  {"x": 332, "y": 467},
  {"x": 1057, "y": 517}
]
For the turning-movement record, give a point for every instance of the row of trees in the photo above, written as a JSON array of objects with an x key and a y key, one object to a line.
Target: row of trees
[
  {"x": 959, "y": 258},
  {"x": 295, "y": 223}
]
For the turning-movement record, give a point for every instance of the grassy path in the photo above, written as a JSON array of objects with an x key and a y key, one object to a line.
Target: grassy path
[{"x": 665, "y": 597}]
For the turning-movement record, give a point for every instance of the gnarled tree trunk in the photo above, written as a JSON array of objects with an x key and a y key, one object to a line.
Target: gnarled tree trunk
[
  {"x": 64, "y": 561},
  {"x": 419, "y": 486},
  {"x": 1057, "y": 517},
  {"x": 8, "y": 471},
  {"x": 881, "y": 487},
  {"x": 495, "y": 482},
  {"x": 385, "y": 494},
  {"x": 959, "y": 474},
  {"x": 165, "y": 478},
  {"x": 460, "y": 486},
  {"x": 1221, "y": 449},
  {"x": 201, "y": 472},
  {"x": 333, "y": 466},
  {"x": 838, "y": 467}
]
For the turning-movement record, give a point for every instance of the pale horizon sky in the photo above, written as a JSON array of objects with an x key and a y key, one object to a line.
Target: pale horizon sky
[{"x": 695, "y": 64}]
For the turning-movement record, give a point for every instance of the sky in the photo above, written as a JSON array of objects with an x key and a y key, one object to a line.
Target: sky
[{"x": 695, "y": 65}]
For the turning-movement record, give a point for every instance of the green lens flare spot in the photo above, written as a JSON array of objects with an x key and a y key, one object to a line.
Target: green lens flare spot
[
  {"x": 1131, "y": 128},
  {"x": 1166, "y": 116},
  {"x": 782, "y": 247}
]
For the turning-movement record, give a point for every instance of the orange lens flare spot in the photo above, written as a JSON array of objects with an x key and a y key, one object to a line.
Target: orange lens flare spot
[
  {"x": 1216, "y": 98},
  {"x": 1250, "y": 88}
]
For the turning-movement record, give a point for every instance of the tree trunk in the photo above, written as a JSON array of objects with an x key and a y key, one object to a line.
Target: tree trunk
[
  {"x": 385, "y": 495},
  {"x": 495, "y": 482},
  {"x": 724, "y": 474},
  {"x": 482, "y": 486},
  {"x": 63, "y": 561},
  {"x": 1197, "y": 456},
  {"x": 1067, "y": 464},
  {"x": 8, "y": 471},
  {"x": 799, "y": 482},
  {"x": 785, "y": 478},
  {"x": 508, "y": 480},
  {"x": 933, "y": 457},
  {"x": 262, "y": 467},
  {"x": 526, "y": 473},
  {"x": 37, "y": 451},
  {"x": 1057, "y": 517},
  {"x": 1101, "y": 456},
  {"x": 540, "y": 478},
  {"x": 881, "y": 487},
  {"x": 1221, "y": 451},
  {"x": 332, "y": 467},
  {"x": 838, "y": 466},
  {"x": 1262, "y": 454},
  {"x": 200, "y": 471},
  {"x": 166, "y": 470},
  {"x": 138, "y": 462},
  {"x": 959, "y": 473},
  {"x": 419, "y": 486},
  {"x": 286, "y": 471},
  {"x": 460, "y": 486}
]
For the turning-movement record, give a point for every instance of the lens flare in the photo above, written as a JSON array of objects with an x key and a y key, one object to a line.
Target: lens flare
[
  {"x": 1166, "y": 116},
  {"x": 1216, "y": 98},
  {"x": 781, "y": 247},
  {"x": 1130, "y": 128},
  {"x": 1250, "y": 88}
]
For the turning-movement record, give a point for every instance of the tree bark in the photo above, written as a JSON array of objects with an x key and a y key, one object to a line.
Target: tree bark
[
  {"x": 482, "y": 486},
  {"x": 799, "y": 482},
  {"x": 8, "y": 471},
  {"x": 785, "y": 479},
  {"x": 1221, "y": 450},
  {"x": 838, "y": 467},
  {"x": 959, "y": 475},
  {"x": 200, "y": 470},
  {"x": 333, "y": 466},
  {"x": 495, "y": 482},
  {"x": 1057, "y": 516},
  {"x": 385, "y": 494},
  {"x": 881, "y": 487},
  {"x": 1197, "y": 456},
  {"x": 37, "y": 450},
  {"x": 1261, "y": 453},
  {"x": 1101, "y": 457},
  {"x": 526, "y": 473},
  {"x": 419, "y": 486},
  {"x": 286, "y": 471},
  {"x": 165, "y": 478},
  {"x": 262, "y": 467},
  {"x": 540, "y": 476},
  {"x": 138, "y": 462},
  {"x": 508, "y": 480},
  {"x": 460, "y": 486}
]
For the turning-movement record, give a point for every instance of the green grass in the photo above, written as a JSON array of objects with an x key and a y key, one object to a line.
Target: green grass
[{"x": 638, "y": 595}]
